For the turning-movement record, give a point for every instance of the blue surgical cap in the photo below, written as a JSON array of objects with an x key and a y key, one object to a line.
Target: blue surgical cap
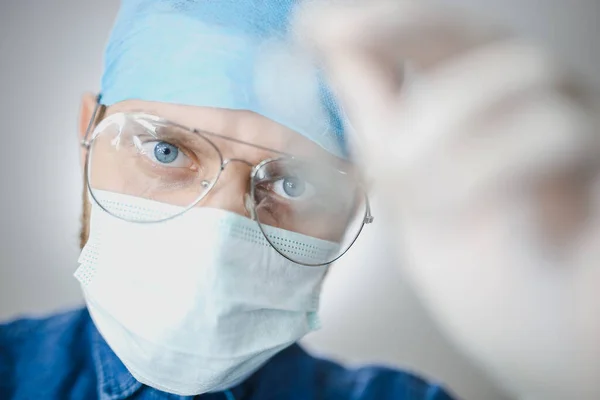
[{"x": 233, "y": 54}]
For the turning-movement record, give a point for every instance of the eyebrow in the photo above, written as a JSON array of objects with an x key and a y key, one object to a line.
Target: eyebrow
[
  {"x": 202, "y": 131},
  {"x": 150, "y": 110},
  {"x": 257, "y": 146}
]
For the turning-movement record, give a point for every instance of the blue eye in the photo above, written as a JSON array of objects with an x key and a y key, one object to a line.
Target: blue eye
[
  {"x": 165, "y": 152},
  {"x": 293, "y": 187}
]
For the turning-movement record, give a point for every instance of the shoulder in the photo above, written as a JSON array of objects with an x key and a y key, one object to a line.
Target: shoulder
[
  {"x": 41, "y": 350},
  {"x": 32, "y": 333},
  {"x": 375, "y": 382},
  {"x": 295, "y": 374}
]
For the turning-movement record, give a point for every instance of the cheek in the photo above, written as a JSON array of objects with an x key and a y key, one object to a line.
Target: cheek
[{"x": 103, "y": 170}]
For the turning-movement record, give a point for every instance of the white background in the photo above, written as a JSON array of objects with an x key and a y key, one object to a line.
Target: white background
[{"x": 51, "y": 51}]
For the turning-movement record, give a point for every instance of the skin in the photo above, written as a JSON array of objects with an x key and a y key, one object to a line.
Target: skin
[{"x": 228, "y": 193}]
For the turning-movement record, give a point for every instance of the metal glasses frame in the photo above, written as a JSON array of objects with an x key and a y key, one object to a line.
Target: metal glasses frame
[{"x": 249, "y": 202}]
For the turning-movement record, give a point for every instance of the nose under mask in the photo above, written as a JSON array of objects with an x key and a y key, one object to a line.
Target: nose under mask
[{"x": 197, "y": 303}]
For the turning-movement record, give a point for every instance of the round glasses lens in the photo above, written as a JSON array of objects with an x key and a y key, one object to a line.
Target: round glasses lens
[
  {"x": 136, "y": 157},
  {"x": 309, "y": 213}
]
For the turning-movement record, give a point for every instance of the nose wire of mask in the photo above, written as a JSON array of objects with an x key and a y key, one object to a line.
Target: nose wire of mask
[{"x": 197, "y": 303}]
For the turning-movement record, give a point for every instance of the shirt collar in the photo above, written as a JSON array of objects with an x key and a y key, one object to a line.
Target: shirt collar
[{"x": 114, "y": 380}]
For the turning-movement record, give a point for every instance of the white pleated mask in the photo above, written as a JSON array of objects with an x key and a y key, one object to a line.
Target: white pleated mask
[{"x": 197, "y": 303}]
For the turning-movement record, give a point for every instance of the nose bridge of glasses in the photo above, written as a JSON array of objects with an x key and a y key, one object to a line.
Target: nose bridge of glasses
[
  {"x": 228, "y": 161},
  {"x": 229, "y": 192}
]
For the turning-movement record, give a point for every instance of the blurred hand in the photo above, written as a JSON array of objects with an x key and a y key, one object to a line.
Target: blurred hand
[{"x": 488, "y": 157}]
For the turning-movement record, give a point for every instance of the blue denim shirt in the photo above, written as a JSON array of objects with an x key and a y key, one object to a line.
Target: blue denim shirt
[{"x": 64, "y": 357}]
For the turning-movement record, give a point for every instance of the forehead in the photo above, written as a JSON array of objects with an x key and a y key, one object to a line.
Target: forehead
[{"x": 242, "y": 125}]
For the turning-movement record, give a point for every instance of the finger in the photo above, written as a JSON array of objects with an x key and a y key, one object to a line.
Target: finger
[
  {"x": 438, "y": 110},
  {"x": 365, "y": 85},
  {"x": 362, "y": 46}
]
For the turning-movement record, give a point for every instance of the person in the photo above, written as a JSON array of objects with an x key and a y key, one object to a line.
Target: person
[
  {"x": 207, "y": 243},
  {"x": 488, "y": 160},
  {"x": 218, "y": 189}
]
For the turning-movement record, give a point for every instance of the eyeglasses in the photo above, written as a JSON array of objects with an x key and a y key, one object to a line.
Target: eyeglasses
[{"x": 145, "y": 156}]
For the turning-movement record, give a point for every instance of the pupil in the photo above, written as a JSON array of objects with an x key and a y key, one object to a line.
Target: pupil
[
  {"x": 166, "y": 152},
  {"x": 293, "y": 187}
]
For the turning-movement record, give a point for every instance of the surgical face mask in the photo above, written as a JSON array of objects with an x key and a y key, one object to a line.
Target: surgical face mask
[{"x": 197, "y": 303}]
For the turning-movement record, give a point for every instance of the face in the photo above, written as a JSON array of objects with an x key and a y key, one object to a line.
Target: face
[{"x": 175, "y": 165}]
